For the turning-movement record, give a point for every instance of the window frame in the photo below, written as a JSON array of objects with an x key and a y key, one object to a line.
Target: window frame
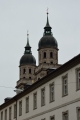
[
  {"x": 63, "y": 114},
  {"x": 52, "y": 117},
  {"x": 78, "y": 108},
  {"x": 52, "y": 84},
  {"x": 65, "y": 77},
  {"x": 34, "y": 106},
  {"x": 77, "y": 87},
  {"x": 20, "y": 107},
  {"x": 15, "y": 110},
  {"x": 5, "y": 114},
  {"x": 1, "y": 115},
  {"x": 43, "y": 119},
  {"x": 10, "y": 110},
  {"x": 27, "y": 104},
  {"x": 42, "y": 104}
]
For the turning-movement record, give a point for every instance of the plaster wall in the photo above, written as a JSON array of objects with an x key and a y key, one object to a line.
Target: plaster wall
[{"x": 60, "y": 103}]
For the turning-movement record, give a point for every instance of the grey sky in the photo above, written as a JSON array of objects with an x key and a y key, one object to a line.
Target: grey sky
[{"x": 18, "y": 16}]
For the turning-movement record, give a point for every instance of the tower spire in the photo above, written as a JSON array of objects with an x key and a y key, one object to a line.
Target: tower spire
[
  {"x": 27, "y": 47},
  {"x": 47, "y": 28},
  {"x": 47, "y": 23},
  {"x": 27, "y": 39}
]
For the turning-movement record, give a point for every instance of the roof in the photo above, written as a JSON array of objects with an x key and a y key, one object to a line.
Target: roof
[{"x": 68, "y": 65}]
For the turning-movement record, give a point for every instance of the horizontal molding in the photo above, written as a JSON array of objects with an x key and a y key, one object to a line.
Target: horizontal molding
[{"x": 55, "y": 108}]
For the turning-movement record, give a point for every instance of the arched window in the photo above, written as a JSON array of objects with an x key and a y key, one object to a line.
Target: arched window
[
  {"x": 40, "y": 56},
  {"x": 51, "y": 54},
  {"x": 20, "y": 71},
  {"x": 24, "y": 71},
  {"x": 29, "y": 71},
  {"x": 44, "y": 54}
]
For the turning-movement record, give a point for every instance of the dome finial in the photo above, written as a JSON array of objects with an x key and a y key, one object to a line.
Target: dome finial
[
  {"x": 47, "y": 23},
  {"x": 47, "y": 11},
  {"x": 28, "y": 38}
]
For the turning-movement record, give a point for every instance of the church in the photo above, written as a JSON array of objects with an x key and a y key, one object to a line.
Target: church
[
  {"x": 47, "y": 58},
  {"x": 49, "y": 91}
]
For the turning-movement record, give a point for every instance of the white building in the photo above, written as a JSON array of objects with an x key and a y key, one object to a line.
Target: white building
[{"x": 54, "y": 97}]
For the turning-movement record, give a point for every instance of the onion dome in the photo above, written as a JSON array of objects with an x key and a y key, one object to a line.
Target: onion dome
[
  {"x": 47, "y": 40},
  {"x": 27, "y": 58}
]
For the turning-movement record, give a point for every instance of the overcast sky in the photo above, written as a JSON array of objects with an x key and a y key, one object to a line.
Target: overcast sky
[{"x": 18, "y": 16}]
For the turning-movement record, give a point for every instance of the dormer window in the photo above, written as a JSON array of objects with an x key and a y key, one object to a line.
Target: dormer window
[{"x": 24, "y": 71}]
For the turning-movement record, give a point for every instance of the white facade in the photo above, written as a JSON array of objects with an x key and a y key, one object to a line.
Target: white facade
[{"x": 60, "y": 105}]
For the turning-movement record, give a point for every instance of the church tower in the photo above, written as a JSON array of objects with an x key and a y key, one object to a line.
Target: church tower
[
  {"x": 27, "y": 67},
  {"x": 47, "y": 52}
]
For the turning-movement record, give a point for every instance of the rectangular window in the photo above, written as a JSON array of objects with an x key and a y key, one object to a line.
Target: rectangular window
[
  {"x": 27, "y": 104},
  {"x": 2, "y": 115},
  {"x": 43, "y": 97},
  {"x": 20, "y": 108},
  {"x": 52, "y": 118},
  {"x": 78, "y": 79},
  {"x": 65, "y": 115},
  {"x": 65, "y": 85},
  {"x": 6, "y": 114},
  {"x": 78, "y": 113},
  {"x": 35, "y": 100},
  {"x": 10, "y": 112},
  {"x": 51, "y": 92},
  {"x": 15, "y": 110}
]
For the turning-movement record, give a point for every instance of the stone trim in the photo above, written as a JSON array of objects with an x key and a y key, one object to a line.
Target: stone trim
[{"x": 55, "y": 108}]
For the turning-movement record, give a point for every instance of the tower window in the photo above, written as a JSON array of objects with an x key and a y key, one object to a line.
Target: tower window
[
  {"x": 51, "y": 62},
  {"x": 29, "y": 77},
  {"x": 51, "y": 54},
  {"x": 40, "y": 56},
  {"x": 20, "y": 71},
  {"x": 44, "y": 54},
  {"x": 29, "y": 71},
  {"x": 24, "y": 71}
]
